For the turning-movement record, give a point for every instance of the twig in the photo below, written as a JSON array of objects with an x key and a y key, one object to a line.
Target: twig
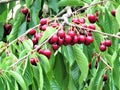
[
  {"x": 22, "y": 35},
  {"x": 106, "y": 34}
]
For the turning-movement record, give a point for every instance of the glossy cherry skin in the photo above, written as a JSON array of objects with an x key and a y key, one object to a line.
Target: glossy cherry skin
[
  {"x": 102, "y": 48},
  {"x": 25, "y": 11},
  {"x": 43, "y": 21},
  {"x": 92, "y": 18},
  {"x": 32, "y": 32},
  {"x": 47, "y": 53},
  {"x": 113, "y": 12},
  {"x": 108, "y": 43}
]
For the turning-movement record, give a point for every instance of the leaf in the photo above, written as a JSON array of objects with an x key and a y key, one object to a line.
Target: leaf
[
  {"x": 54, "y": 5},
  {"x": 49, "y": 31},
  {"x": 28, "y": 2},
  {"x": 82, "y": 63},
  {"x": 27, "y": 73},
  {"x": 12, "y": 4},
  {"x": 27, "y": 44},
  {"x": 2, "y": 85},
  {"x": 118, "y": 15},
  {"x": 70, "y": 3},
  {"x": 45, "y": 63},
  {"x": 18, "y": 78},
  {"x": 1, "y": 31}
]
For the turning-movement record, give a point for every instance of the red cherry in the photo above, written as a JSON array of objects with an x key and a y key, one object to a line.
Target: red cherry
[
  {"x": 47, "y": 53},
  {"x": 84, "y": 25},
  {"x": 55, "y": 24},
  {"x": 54, "y": 38},
  {"x": 102, "y": 43},
  {"x": 43, "y": 21},
  {"x": 71, "y": 33},
  {"x": 68, "y": 39},
  {"x": 38, "y": 36},
  {"x": 61, "y": 33},
  {"x": 25, "y": 11},
  {"x": 7, "y": 27},
  {"x": 108, "y": 43},
  {"x": 89, "y": 40},
  {"x": 35, "y": 41},
  {"x": 81, "y": 20},
  {"x": 91, "y": 26},
  {"x": 43, "y": 27},
  {"x": 81, "y": 38},
  {"x": 102, "y": 48},
  {"x": 92, "y": 18},
  {"x": 76, "y": 20},
  {"x": 41, "y": 51},
  {"x": 32, "y": 32},
  {"x": 104, "y": 77},
  {"x": 75, "y": 39},
  {"x": 60, "y": 41},
  {"x": 55, "y": 46},
  {"x": 34, "y": 61},
  {"x": 113, "y": 12}
]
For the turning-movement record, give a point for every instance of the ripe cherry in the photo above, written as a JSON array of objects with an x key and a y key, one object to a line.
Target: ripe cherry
[
  {"x": 75, "y": 39},
  {"x": 41, "y": 51},
  {"x": 38, "y": 36},
  {"x": 35, "y": 41},
  {"x": 32, "y": 32},
  {"x": 76, "y": 20},
  {"x": 55, "y": 46},
  {"x": 71, "y": 33},
  {"x": 108, "y": 43},
  {"x": 34, "y": 61},
  {"x": 25, "y": 11},
  {"x": 43, "y": 27},
  {"x": 104, "y": 77},
  {"x": 68, "y": 39},
  {"x": 7, "y": 27},
  {"x": 60, "y": 41},
  {"x": 91, "y": 26},
  {"x": 47, "y": 53},
  {"x": 55, "y": 24},
  {"x": 81, "y": 20},
  {"x": 61, "y": 33},
  {"x": 102, "y": 48},
  {"x": 89, "y": 40},
  {"x": 113, "y": 12},
  {"x": 54, "y": 38},
  {"x": 92, "y": 18},
  {"x": 81, "y": 39},
  {"x": 43, "y": 21}
]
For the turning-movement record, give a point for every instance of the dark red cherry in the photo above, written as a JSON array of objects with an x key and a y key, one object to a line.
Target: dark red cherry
[
  {"x": 68, "y": 39},
  {"x": 47, "y": 53},
  {"x": 76, "y": 20},
  {"x": 32, "y": 32},
  {"x": 71, "y": 33},
  {"x": 92, "y": 18},
  {"x": 55, "y": 46},
  {"x": 81, "y": 39},
  {"x": 25, "y": 11},
  {"x": 104, "y": 77},
  {"x": 113, "y": 12},
  {"x": 102, "y": 48},
  {"x": 108, "y": 43},
  {"x": 81, "y": 20},
  {"x": 61, "y": 33},
  {"x": 43, "y": 21}
]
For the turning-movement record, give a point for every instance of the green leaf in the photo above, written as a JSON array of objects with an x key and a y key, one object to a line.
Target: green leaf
[
  {"x": 54, "y": 5},
  {"x": 49, "y": 31},
  {"x": 82, "y": 63},
  {"x": 1, "y": 31},
  {"x": 27, "y": 73},
  {"x": 2, "y": 85},
  {"x": 28, "y": 2},
  {"x": 19, "y": 79},
  {"x": 12, "y": 4},
  {"x": 27, "y": 44},
  {"x": 118, "y": 15},
  {"x": 70, "y": 3}
]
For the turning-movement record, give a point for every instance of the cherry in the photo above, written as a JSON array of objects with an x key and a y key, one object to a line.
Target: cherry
[
  {"x": 34, "y": 61},
  {"x": 75, "y": 39},
  {"x": 108, "y": 43},
  {"x": 43, "y": 27},
  {"x": 47, "y": 53},
  {"x": 102, "y": 43},
  {"x": 102, "y": 48},
  {"x": 113, "y": 12},
  {"x": 71, "y": 33},
  {"x": 81, "y": 20},
  {"x": 32, "y": 32},
  {"x": 81, "y": 39},
  {"x": 91, "y": 26},
  {"x": 38, "y": 36},
  {"x": 75, "y": 20},
  {"x": 43, "y": 21},
  {"x": 68, "y": 39},
  {"x": 84, "y": 25},
  {"x": 35, "y": 41},
  {"x": 104, "y": 77},
  {"x": 60, "y": 41},
  {"x": 25, "y": 11},
  {"x": 55, "y": 46},
  {"x": 41, "y": 51},
  {"x": 61, "y": 33},
  {"x": 7, "y": 27},
  {"x": 54, "y": 38},
  {"x": 92, "y": 18},
  {"x": 55, "y": 24},
  {"x": 89, "y": 40}
]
